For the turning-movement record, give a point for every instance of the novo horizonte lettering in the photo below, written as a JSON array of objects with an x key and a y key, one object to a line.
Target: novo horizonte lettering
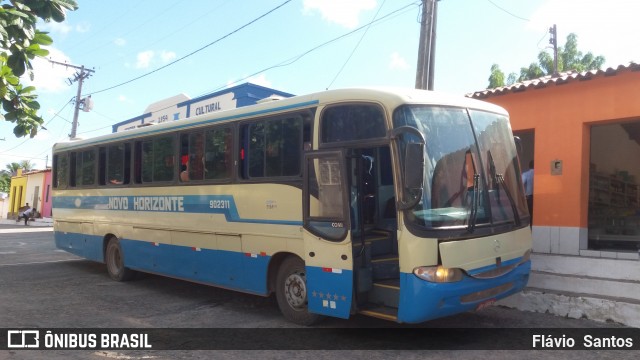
[{"x": 147, "y": 203}]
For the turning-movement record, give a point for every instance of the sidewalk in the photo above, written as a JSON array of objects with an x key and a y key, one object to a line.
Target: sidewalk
[{"x": 36, "y": 222}]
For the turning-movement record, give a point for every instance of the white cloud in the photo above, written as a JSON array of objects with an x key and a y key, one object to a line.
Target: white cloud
[
  {"x": 341, "y": 12},
  {"x": 83, "y": 27},
  {"x": 260, "y": 80},
  {"x": 122, "y": 98},
  {"x": 55, "y": 27},
  {"x": 397, "y": 62},
  {"x": 120, "y": 42},
  {"x": 50, "y": 77},
  {"x": 602, "y": 28},
  {"x": 167, "y": 56},
  {"x": 144, "y": 59}
]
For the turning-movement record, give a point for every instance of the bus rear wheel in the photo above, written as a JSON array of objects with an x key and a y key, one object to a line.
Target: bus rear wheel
[
  {"x": 115, "y": 262},
  {"x": 291, "y": 292}
]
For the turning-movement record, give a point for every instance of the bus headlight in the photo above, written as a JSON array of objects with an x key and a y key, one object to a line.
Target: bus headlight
[{"x": 438, "y": 274}]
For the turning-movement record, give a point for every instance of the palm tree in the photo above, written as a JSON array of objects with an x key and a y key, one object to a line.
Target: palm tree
[
  {"x": 5, "y": 181},
  {"x": 26, "y": 165},
  {"x": 13, "y": 168}
]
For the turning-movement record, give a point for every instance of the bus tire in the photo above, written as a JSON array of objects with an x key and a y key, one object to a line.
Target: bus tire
[
  {"x": 115, "y": 262},
  {"x": 291, "y": 292}
]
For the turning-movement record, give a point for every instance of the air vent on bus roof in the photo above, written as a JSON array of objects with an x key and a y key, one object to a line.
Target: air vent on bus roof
[{"x": 269, "y": 99}]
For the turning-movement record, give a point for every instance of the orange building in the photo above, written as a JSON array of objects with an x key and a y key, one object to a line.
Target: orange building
[{"x": 583, "y": 132}]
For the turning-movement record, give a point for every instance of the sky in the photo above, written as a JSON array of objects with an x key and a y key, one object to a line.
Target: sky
[{"x": 144, "y": 51}]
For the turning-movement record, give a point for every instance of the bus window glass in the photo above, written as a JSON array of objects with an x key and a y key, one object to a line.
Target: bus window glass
[
  {"x": 84, "y": 169},
  {"x": 115, "y": 164},
  {"x": 275, "y": 147},
  {"x": 61, "y": 168},
  {"x": 147, "y": 161},
  {"x": 163, "y": 166},
  {"x": 195, "y": 164},
  {"x": 352, "y": 122},
  {"x": 325, "y": 198},
  {"x": 217, "y": 159},
  {"x": 88, "y": 167}
]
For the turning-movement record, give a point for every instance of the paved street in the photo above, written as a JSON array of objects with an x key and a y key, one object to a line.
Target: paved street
[{"x": 46, "y": 288}]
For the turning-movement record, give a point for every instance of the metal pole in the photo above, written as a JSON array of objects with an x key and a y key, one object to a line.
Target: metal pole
[
  {"x": 76, "y": 111},
  {"x": 554, "y": 42},
  {"x": 421, "y": 46},
  {"x": 432, "y": 52},
  {"x": 426, "y": 48},
  {"x": 79, "y": 77}
]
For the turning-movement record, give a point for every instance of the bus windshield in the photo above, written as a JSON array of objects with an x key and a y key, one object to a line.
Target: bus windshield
[{"x": 471, "y": 170}]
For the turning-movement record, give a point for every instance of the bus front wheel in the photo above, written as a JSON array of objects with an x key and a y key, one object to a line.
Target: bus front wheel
[
  {"x": 115, "y": 262},
  {"x": 291, "y": 292}
]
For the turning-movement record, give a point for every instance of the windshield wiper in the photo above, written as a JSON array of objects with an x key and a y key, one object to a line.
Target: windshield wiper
[
  {"x": 499, "y": 180},
  {"x": 473, "y": 216},
  {"x": 514, "y": 208}
]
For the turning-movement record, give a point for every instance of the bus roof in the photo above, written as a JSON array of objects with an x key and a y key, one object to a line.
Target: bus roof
[{"x": 390, "y": 97}]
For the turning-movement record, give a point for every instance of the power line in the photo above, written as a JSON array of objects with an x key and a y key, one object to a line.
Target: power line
[
  {"x": 163, "y": 38},
  {"x": 4, "y": 152},
  {"x": 507, "y": 11},
  {"x": 293, "y": 59},
  {"x": 196, "y": 51},
  {"x": 357, "y": 45}
]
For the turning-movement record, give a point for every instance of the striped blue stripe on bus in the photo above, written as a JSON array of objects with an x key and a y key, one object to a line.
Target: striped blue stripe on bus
[
  {"x": 193, "y": 204},
  {"x": 228, "y": 269}
]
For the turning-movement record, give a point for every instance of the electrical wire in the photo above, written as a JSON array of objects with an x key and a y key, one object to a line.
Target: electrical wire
[
  {"x": 294, "y": 59},
  {"x": 195, "y": 51},
  {"x": 300, "y": 56},
  {"x": 508, "y": 12},
  {"x": 163, "y": 38},
  {"x": 4, "y": 152},
  {"x": 357, "y": 45}
]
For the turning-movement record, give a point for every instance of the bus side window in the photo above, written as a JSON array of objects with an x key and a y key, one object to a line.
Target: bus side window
[
  {"x": 352, "y": 122},
  {"x": 196, "y": 156},
  {"x": 60, "y": 171},
  {"x": 137, "y": 162},
  {"x": 217, "y": 154},
  {"x": 102, "y": 165},
  {"x": 117, "y": 163},
  {"x": 184, "y": 158},
  {"x": 72, "y": 168}
]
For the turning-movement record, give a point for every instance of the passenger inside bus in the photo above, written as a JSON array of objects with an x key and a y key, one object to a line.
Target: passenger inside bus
[{"x": 184, "y": 173}]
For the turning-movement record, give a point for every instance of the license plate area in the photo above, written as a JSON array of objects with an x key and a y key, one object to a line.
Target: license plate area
[{"x": 485, "y": 304}]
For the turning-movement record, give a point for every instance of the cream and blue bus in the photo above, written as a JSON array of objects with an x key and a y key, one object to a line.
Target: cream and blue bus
[{"x": 405, "y": 205}]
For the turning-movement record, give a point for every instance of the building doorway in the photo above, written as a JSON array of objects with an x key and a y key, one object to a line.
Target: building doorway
[
  {"x": 614, "y": 176},
  {"x": 525, "y": 147}
]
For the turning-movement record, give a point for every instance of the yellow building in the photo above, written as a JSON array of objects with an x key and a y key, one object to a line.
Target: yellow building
[{"x": 17, "y": 194}]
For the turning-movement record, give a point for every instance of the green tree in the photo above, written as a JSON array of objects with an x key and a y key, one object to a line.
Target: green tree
[
  {"x": 496, "y": 79},
  {"x": 20, "y": 43},
  {"x": 5, "y": 181},
  {"x": 12, "y": 169},
  {"x": 569, "y": 58}
]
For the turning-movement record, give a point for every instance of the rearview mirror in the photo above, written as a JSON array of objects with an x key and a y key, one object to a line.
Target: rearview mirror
[{"x": 414, "y": 166}]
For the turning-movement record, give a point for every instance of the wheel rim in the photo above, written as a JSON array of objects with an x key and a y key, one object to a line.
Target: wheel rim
[{"x": 295, "y": 290}]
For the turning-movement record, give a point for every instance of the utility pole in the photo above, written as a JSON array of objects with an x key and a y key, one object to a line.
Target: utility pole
[
  {"x": 553, "y": 40},
  {"x": 427, "y": 46},
  {"x": 79, "y": 76}
]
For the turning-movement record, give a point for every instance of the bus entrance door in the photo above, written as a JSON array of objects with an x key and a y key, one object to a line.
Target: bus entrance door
[{"x": 328, "y": 261}]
